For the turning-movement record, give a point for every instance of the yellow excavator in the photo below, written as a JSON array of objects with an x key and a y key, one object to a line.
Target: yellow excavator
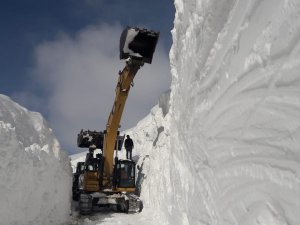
[{"x": 104, "y": 179}]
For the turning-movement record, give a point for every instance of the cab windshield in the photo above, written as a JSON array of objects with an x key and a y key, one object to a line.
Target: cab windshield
[{"x": 126, "y": 172}]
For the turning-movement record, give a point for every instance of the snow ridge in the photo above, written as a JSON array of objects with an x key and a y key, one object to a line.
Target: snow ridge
[{"x": 35, "y": 176}]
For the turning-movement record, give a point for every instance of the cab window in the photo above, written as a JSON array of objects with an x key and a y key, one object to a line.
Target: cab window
[{"x": 126, "y": 175}]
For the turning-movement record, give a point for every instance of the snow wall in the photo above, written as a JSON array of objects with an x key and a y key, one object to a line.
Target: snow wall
[
  {"x": 235, "y": 113},
  {"x": 228, "y": 150},
  {"x": 35, "y": 175}
]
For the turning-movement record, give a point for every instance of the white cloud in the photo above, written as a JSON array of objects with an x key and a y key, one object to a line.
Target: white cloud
[{"x": 81, "y": 72}]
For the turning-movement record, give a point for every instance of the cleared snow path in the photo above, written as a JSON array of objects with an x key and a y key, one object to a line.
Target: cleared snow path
[
  {"x": 108, "y": 217},
  {"x": 147, "y": 134},
  {"x": 227, "y": 152}
]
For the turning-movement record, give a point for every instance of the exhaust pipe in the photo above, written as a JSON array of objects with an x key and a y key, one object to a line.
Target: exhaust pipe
[{"x": 138, "y": 44}]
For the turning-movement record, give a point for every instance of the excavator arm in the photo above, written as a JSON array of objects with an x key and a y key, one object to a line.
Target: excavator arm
[{"x": 122, "y": 90}]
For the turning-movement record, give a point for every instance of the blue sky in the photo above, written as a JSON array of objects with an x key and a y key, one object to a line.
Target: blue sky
[{"x": 60, "y": 58}]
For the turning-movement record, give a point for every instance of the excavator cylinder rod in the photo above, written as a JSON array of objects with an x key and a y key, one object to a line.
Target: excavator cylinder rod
[{"x": 138, "y": 43}]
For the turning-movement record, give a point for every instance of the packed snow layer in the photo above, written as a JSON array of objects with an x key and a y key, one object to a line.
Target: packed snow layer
[
  {"x": 35, "y": 175},
  {"x": 235, "y": 113}
]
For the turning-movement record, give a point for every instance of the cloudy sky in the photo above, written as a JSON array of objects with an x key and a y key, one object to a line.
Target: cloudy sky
[{"x": 60, "y": 58}]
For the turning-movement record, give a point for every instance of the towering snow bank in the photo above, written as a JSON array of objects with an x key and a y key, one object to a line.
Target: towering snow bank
[
  {"x": 35, "y": 180},
  {"x": 235, "y": 113},
  {"x": 152, "y": 151}
]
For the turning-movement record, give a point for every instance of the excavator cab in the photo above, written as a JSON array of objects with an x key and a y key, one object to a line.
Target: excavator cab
[
  {"x": 93, "y": 165},
  {"x": 92, "y": 170},
  {"x": 125, "y": 174}
]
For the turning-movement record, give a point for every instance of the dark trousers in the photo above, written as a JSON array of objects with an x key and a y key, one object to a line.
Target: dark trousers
[{"x": 128, "y": 153}]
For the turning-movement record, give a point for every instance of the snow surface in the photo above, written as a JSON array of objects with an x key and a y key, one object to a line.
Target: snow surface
[
  {"x": 35, "y": 175},
  {"x": 227, "y": 152},
  {"x": 235, "y": 113},
  {"x": 131, "y": 34}
]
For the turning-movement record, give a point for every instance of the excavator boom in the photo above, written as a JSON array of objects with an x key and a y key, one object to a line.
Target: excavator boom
[
  {"x": 122, "y": 90},
  {"x": 137, "y": 47}
]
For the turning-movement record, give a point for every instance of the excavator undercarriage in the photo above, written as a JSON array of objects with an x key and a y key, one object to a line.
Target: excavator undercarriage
[{"x": 104, "y": 179}]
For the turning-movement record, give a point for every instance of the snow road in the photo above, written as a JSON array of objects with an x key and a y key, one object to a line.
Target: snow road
[{"x": 110, "y": 217}]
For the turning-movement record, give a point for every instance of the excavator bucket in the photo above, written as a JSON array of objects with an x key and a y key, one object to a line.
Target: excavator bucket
[{"x": 138, "y": 43}]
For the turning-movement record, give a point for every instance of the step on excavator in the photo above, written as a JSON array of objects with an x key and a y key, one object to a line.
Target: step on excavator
[{"x": 103, "y": 179}]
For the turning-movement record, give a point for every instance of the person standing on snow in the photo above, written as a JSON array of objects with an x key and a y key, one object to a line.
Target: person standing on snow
[{"x": 129, "y": 146}]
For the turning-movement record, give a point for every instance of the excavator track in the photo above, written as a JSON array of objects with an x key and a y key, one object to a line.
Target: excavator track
[
  {"x": 85, "y": 204},
  {"x": 135, "y": 204}
]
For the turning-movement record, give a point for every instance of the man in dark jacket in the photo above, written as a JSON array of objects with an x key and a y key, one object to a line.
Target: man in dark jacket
[{"x": 129, "y": 146}]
